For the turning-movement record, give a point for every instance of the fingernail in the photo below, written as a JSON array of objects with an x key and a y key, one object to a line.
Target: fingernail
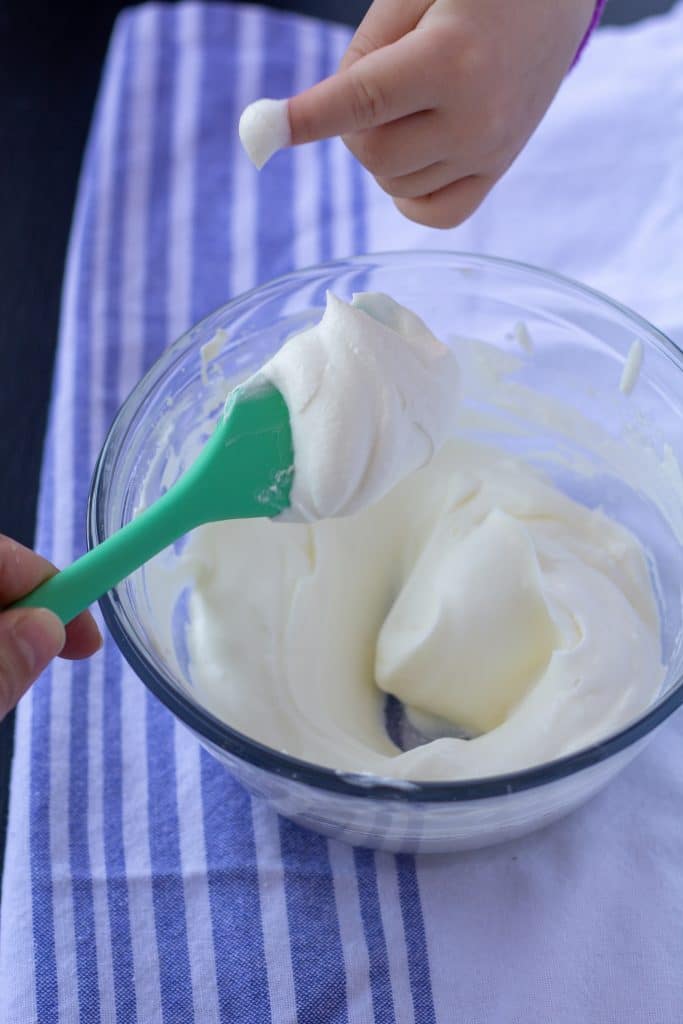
[{"x": 40, "y": 636}]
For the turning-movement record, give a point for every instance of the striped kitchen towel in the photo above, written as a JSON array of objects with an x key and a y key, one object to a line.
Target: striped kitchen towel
[{"x": 142, "y": 884}]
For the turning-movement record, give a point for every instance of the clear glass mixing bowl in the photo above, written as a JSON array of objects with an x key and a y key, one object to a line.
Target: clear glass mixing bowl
[{"x": 581, "y": 341}]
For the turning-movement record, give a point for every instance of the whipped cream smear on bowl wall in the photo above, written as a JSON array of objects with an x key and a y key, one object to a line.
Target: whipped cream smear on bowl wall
[{"x": 419, "y": 563}]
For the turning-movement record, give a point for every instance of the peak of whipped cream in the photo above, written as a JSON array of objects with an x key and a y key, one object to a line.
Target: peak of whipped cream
[
  {"x": 372, "y": 395},
  {"x": 456, "y": 647}
]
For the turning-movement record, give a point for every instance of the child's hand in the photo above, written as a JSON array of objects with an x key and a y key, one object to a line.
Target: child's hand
[
  {"x": 32, "y": 637},
  {"x": 437, "y": 99}
]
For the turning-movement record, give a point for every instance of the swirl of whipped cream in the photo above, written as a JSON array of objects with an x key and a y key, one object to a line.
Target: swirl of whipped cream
[{"x": 372, "y": 395}]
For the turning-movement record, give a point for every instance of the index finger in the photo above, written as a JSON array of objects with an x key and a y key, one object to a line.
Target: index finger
[{"x": 388, "y": 83}]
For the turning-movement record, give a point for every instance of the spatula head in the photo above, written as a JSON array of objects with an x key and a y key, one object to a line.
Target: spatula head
[{"x": 246, "y": 468}]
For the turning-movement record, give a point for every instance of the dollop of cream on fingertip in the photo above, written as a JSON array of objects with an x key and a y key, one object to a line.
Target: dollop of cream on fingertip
[{"x": 264, "y": 129}]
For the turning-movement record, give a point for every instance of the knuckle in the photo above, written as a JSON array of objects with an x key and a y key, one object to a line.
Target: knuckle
[
  {"x": 453, "y": 44},
  {"x": 360, "y": 46},
  {"x": 377, "y": 151},
  {"x": 465, "y": 40},
  {"x": 368, "y": 100},
  {"x": 460, "y": 54}
]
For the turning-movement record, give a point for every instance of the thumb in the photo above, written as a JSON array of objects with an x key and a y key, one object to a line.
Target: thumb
[
  {"x": 385, "y": 23},
  {"x": 29, "y": 639}
]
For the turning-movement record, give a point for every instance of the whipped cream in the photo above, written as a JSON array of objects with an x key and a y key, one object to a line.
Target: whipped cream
[
  {"x": 474, "y": 591},
  {"x": 371, "y": 393},
  {"x": 472, "y": 628},
  {"x": 456, "y": 579},
  {"x": 263, "y": 129}
]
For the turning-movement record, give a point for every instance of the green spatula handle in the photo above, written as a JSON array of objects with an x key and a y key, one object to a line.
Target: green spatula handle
[
  {"x": 83, "y": 582},
  {"x": 244, "y": 471}
]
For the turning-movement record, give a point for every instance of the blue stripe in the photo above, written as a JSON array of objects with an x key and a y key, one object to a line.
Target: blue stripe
[
  {"x": 168, "y": 893},
  {"x": 82, "y": 887},
  {"x": 276, "y": 225},
  {"x": 123, "y": 968},
  {"x": 214, "y": 186},
  {"x": 416, "y": 942},
  {"x": 317, "y": 954},
  {"x": 41, "y": 868},
  {"x": 112, "y": 793},
  {"x": 234, "y": 898},
  {"x": 380, "y": 979}
]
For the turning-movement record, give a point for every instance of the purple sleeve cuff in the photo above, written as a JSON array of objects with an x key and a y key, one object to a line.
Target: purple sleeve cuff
[{"x": 594, "y": 22}]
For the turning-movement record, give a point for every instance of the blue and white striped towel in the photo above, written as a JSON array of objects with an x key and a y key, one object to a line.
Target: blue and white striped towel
[{"x": 142, "y": 884}]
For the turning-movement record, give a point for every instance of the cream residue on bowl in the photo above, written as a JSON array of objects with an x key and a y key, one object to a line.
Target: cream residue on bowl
[{"x": 631, "y": 371}]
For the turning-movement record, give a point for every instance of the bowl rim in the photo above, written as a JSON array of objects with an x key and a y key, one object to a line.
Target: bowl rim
[{"x": 220, "y": 735}]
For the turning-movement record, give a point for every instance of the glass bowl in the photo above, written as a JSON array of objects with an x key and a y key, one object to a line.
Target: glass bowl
[{"x": 581, "y": 341}]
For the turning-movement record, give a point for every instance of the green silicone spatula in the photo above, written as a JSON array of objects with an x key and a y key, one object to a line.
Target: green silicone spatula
[{"x": 244, "y": 471}]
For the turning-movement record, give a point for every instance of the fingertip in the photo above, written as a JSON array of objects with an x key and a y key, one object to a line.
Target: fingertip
[
  {"x": 448, "y": 207},
  {"x": 21, "y": 570},
  {"x": 44, "y": 631},
  {"x": 420, "y": 211},
  {"x": 83, "y": 638}
]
